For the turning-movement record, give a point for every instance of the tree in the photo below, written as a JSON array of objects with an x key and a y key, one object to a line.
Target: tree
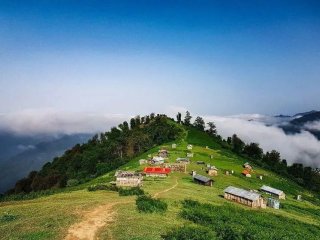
[
  {"x": 132, "y": 123},
  {"x": 237, "y": 144},
  {"x": 179, "y": 118},
  {"x": 138, "y": 121},
  {"x": 187, "y": 119},
  {"x": 212, "y": 129},
  {"x": 253, "y": 150},
  {"x": 147, "y": 119},
  {"x": 199, "y": 123},
  {"x": 124, "y": 126},
  {"x": 152, "y": 115}
]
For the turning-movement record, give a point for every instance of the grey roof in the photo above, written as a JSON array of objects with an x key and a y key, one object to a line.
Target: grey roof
[
  {"x": 271, "y": 190},
  {"x": 242, "y": 193},
  {"x": 201, "y": 178}
]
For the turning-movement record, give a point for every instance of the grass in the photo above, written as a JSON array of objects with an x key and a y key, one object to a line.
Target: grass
[
  {"x": 50, "y": 216},
  {"x": 147, "y": 204}
]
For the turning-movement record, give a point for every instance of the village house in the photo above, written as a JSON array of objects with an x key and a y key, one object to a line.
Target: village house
[
  {"x": 183, "y": 160},
  {"x": 189, "y": 147},
  {"x": 128, "y": 179},
  {"x": 156, "y": 171},
  {"x": 157, "y": 160},
  {"x": 212, "y": 171},
  {"x": 163, "y": 153},
  {"x": 143, "y": 161},
  {"x": 247, "y": 166},
  {"x": 273, "y": 191},
  {"x": 173, "y": 146},
  {"x": 244, "y": 197},
  {"x": 202, "y": 180},
  {"x": 246, "y": 173},
  {"x": 177, "y": 167}
]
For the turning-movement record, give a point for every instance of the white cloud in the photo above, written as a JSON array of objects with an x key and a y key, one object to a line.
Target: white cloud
[
  {"x": 302, "y": 147},
  {"x": 48, "y": 121},
  {"x": 313, "y": 125}
]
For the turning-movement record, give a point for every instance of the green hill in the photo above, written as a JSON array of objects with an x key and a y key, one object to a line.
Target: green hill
[{"x": 194, "y": 211}]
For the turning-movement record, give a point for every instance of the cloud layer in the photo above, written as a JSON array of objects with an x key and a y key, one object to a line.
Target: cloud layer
[{"x": 302, "y": 147}]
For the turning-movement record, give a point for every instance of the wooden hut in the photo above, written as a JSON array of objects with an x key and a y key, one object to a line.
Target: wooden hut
[
  {"x": 273, "y": 191},
  {"x": 189, "y": 147},
  {"x": 189, "y": 155},
  {"x": 203, "y": 180},
  {"x": 163, "y": 153},
  {"x": 212, "y": 171},
  {"x": 156, "y": 171},
  {"x": 157, "y": 160},
  {"x": 128, "y": 179},
  {"x": 244, "y": 197},
  {"x": 177, "y": 167},
  {"x": 247, "y": 166},
  {"x": 173, "y": 146}
]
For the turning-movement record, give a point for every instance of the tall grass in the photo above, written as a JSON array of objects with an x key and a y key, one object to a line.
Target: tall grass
[{"x": 148, "y": 204}]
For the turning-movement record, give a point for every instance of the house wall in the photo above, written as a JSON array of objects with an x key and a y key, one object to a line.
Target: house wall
[
  {"x": 254, "y": 204},
  {"x": 129, "y": 182},
  {"x": 156, "y": 175}
]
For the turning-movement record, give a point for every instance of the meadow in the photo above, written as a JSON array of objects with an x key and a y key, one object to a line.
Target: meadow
[{"x": 49, "y": 217}]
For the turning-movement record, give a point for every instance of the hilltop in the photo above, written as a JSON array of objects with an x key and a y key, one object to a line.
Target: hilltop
[{"x": 194, "y": 211}]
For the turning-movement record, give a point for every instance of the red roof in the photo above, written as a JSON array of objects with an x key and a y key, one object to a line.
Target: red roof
[
  {"x": 157, "y": 170},
  {"x": 245, "y": 172}
]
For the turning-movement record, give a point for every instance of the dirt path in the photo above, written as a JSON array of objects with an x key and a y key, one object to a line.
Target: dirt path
[
  {"x": 92, "y": 221},
  {"x": 166, "y": 190},
  {"x": 99, "y": 217}
]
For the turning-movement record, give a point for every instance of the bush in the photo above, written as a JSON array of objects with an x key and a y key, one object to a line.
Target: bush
[
  {"x": 190, "y": 233},
  {"x": 102, "y": 187},
  {"x": 131, "y": 191},
  {"x": 72, "y": 182},
  {"x": 7, "y": 217},
  {"x": 149, "y": 205}
]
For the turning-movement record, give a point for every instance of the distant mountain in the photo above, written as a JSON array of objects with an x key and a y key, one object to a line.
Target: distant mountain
[
  {"x": 30, "y": 154},
  {"x": 306, "y": 118}
]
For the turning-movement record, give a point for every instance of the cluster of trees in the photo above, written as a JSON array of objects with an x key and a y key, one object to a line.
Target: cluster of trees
[
  {"x": 102, "y": 153},
  {"x": 305, "y": 176}
]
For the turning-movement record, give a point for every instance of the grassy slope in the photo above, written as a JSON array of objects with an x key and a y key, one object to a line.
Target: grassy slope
[{"x": 49, "y": 217}]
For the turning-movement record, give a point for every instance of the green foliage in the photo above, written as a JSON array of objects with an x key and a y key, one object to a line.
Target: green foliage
[
  {"x": 72, "y": 182},
  {"x": 199, "y": 123},
  {"x": 27, "y": 196},
  {"x": 130, "y": 191},
  {"x": 187, "y": 119},
  {"x": 102, "y": 187},
  {"x": 7, "y": 217},
  {"x": 190, "y": 233},
  {"x": 148, "y": 204},
  {"x": 230, "y": 222},
  {"x": 102, "y": 153}
]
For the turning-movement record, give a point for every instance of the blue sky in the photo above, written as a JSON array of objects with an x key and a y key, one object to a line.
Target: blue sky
[{"x": 131, "y": 57}]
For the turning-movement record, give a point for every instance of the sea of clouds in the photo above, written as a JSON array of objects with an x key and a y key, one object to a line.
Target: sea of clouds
[{"x": 302, "y": 147}]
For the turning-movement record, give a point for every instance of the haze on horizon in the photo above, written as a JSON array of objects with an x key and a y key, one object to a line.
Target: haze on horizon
[{"x": 125, "y": 57}]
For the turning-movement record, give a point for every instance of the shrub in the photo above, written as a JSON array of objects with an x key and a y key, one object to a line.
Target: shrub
[
  {"x": 190, "y": 233},
  {"x": 149, "y": 205},
  {"x": 7, "y": 217},
  {"x": 131, "y": 191},
  {"x": 102, "y": 187},
  {"x": 72, "y": 182}
]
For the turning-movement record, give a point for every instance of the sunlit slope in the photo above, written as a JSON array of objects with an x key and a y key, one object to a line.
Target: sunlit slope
[{"x": 50, "y": 217}]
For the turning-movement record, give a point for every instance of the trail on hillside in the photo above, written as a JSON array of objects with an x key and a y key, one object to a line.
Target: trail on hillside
[
  {"x": 166, "y": 190},
  {"x": 99, "y": 217},
  {"x": 93, "y": 221}
]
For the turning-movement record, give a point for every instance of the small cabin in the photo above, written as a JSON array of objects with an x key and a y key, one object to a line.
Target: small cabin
[
  {"x": 273, "y": 191},
  {"x": 183, "y": 160},
  {"x": 203, "y": 180},
  {"x": 156, "y": 171},
  {"x": 247, "y": 166},
  {"x": 177, "y": 167},
  {"x": 299, "y": 197},
  {"x": 212, "y": 171},
  {"x": 242, "y": 196},
  {"x": 246, "y": 173},
  {"x": 163, "y": 153},
  {"x": 189, "y": 147},
  {"x": 173, "y": 146},
  {"x": 157, "y": 160},
  {"x": 128, "y": 179}
]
